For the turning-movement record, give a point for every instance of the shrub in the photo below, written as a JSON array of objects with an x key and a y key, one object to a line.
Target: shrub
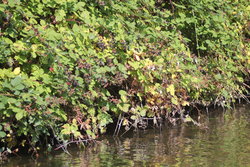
[{"x": 69, "y": 68}]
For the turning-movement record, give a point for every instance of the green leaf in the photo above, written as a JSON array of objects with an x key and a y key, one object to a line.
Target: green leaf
[
  {"x": 19, "y": 46},
  {"x": 79, "y": 6},
  {"x": 91, "y": 111},
  {"x": 218, "y": 77},
  {"x": 2, "y": 106},
  {"x": 179, "y": 6},
  {"x": 133, "y": 117},
  {"x": 143, "y": 113},
  {"x": 20, "y": 87},
  {"x": 91, "y": 134},
  {"x": 11, "y": 3},
  {"x": 122, "y": 68},
  {"x": 124, "y": 107},
  {"x": 135, "y": 65},
  {"x": 16, "y": 81},
  {"x": 122, "y": 93},
  {"x": 124, "y": 99},
  {"x": 60, "y": 14},
  {"x": 2, "y": 7},
  {"x": 12, "y": 100},
  {"x": 76, "y": 28},
  {"x": 104, "y": 118},
  {"x": 19, "y": 115},
  {"x": 91, "y": 36},
  {"x": 2, "y": 134}
]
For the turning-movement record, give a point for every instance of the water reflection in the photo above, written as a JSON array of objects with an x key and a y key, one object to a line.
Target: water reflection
[{"x": 226, "y": 142}]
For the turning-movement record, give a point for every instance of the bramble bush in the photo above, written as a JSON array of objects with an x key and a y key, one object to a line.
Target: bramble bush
[{"x": 69, "y": 68}]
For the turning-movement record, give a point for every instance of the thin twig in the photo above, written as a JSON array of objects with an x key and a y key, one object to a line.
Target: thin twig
[
  {"x": 2, "y": 94},
  {"x": 172, "y": 5},
  {"x": 126, "y": 131},
  {"x": 75, "y": 141},
  {"x": 116, "y": 128},
  {"x": 196, "y": 36},
  {"x": 246, "y": 85},
  {"x": 120, "y": 124}
]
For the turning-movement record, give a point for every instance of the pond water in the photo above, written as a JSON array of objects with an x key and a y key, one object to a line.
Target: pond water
[{"x": 223, "y": 140}]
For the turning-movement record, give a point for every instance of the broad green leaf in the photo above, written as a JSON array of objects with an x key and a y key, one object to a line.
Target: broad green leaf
[
  {"x": 122, "y": 93},
  {"x": 60, "y": 14},
  {"x": 122, "y": 68},
  {"x": 12, "y": 100},
  {"x": 91, "y": 111},
  {"x": 8, "y": 41},
  {"x": 160, "y": 60},
  {"x": 79, "y": 6},
  {"x": 2, "y": 106},
  {"x": 19, "y": 46},
  {"x": 91, "y": 36},
  {"x": 91, "y": 134},
  {"x": 2, "y": 7},
  {"x": 133, "y": 117},
  {"x": 135, "y": 65},
  {"x": 76, "y": 28},
  {"x": 143, "y": 113},
  {"x": 2, "y": 134},
  {"x": 179, "y": 6},
  {"x": 20, "y": 113},
  {"x": 16, "y": 81},
  {"x": 19, "y": 87},
  {"x": 124, "y": 107}
]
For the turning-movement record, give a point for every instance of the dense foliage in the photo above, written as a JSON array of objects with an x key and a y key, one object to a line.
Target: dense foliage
[{"x": 68, "y": 68}]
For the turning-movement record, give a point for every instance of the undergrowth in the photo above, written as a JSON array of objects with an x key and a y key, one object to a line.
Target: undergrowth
[{"x": 68, "y": 68}]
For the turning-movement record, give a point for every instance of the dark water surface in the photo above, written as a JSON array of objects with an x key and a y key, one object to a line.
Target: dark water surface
[{"x": 222, "y": 141}]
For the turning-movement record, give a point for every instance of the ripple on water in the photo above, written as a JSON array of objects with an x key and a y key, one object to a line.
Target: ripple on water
[{"x": 225, "y": 143}]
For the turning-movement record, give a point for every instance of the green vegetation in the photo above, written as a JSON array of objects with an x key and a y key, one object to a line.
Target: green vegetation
[{"x": 69, "y": 68}]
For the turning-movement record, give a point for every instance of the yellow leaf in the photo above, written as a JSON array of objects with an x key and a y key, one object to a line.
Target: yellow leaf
[
  {"x": 23, "y": 143},
  {"x": 248, "y": 8},
  {"x": 185, "y": 103},
  {"x": 188, "y": 119},
  {"x": 171, "y": 89},
  {"x": 125, "y": 122},
  {"x": 174, "y": 101},
  {"x": 74, "y": 122},
  {"x": 158, "y": 28},
  {"x": 17, "y": 71},
  {"x": 173, "y": 76},
  {"x": 161, "y": 60}
]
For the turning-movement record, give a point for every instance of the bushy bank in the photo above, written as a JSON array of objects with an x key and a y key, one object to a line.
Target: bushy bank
[{"x": 69, "y": 68}]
